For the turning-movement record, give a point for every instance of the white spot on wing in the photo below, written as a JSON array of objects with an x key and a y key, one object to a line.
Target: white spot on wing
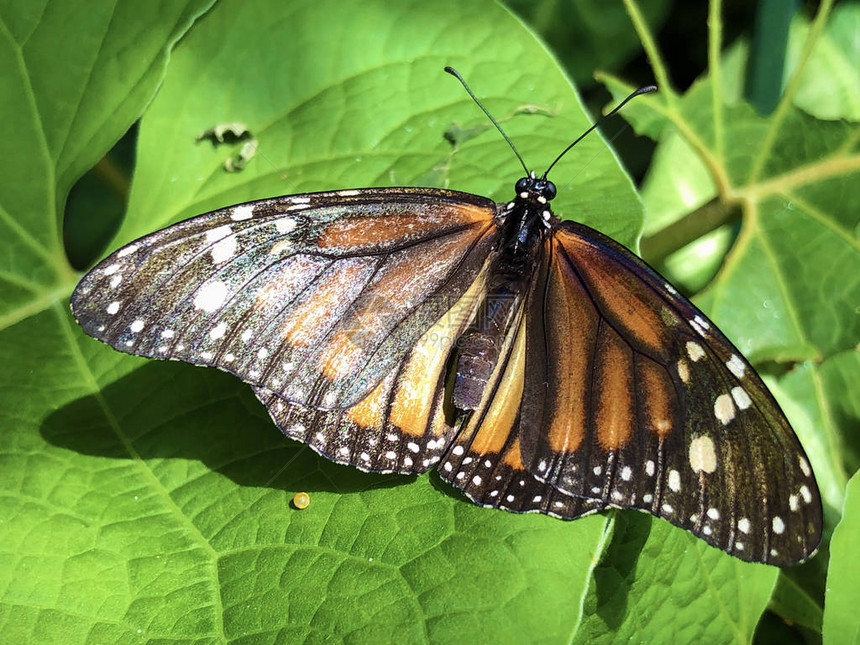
[
  {"x": 285, "y": 225},
  {"x": 805, "y": 493},
  {"x": 626, "y": 473},
  {"x": 131, "y": 248},
  {"x": 694, "y": 323},
  {"x": 724, "y": 408},
  {"x": 736, "y": 366},
  {"x": 804, "y": 466},
  {"x": 694, "y": 351},
  {"x": 744, "y": 525},
  {"x": 684, "y": 371},
  {"x": 742, "y": 399},
  {"x": 778, "y": 525},
  {"x": 241, "y": 212},
  {"x": 675, "y": 480},
  {"x": 224, "y": 250},
  {"x": 136, "y": 326},
  {"x": 219, "y": 233},
  {"x": 702, "y": 455},
  {"x": 218, "y": 331},
  {"x": 649, "y": 468},
  {"x": 211, "y": 296},
  {"x": 113, "y": 307}
]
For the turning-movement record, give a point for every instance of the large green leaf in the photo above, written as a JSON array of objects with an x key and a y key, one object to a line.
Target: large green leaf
[{"x": 145, "y": 500}]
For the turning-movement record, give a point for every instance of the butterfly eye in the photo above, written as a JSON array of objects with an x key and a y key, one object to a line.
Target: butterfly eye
[
  {"x": 547, "y": 189},
  {"x": 522, "y": 185}
]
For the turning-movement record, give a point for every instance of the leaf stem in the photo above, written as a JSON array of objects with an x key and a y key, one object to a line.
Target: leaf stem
[
  {"x": 709, "y": 217},
  {"x": 715, "y": 45},
  {"x": 661, "y": 73}
]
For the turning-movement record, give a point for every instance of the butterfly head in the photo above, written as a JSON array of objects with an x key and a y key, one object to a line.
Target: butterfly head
[
  {"x": 531, "y": 202},
  {"x": 537, "y": 189}
]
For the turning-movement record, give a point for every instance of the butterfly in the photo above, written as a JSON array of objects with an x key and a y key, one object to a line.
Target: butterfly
[{"x": 539, "y": 365}]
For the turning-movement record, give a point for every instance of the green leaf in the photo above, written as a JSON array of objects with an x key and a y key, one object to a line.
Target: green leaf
[
  {"x": 841, "y": 621},
  {"x": 657, "y": 584},
  {"x": 74, "y": 81},
  {"x": 146, "y": 500}
]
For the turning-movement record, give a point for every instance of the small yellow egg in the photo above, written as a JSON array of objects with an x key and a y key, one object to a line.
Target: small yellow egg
[{"x": 301, "y": 500}]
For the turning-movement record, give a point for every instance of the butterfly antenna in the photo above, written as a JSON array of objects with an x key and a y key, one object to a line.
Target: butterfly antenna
[
  {"x": 642, "y": 90},
  {"x": 453, "y": 72}
]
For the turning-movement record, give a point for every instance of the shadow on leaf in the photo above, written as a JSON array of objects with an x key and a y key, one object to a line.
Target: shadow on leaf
[{"x": 174, "y": 411}]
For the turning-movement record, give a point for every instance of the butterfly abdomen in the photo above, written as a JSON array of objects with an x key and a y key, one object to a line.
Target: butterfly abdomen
[{"x": 481, "y": 344}]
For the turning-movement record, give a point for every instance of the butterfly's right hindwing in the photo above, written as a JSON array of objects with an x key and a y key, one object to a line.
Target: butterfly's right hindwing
[{"x": 313, "y": 297}]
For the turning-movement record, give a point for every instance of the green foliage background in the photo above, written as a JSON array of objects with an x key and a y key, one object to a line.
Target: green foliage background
[{"x": 144, "y": 501}]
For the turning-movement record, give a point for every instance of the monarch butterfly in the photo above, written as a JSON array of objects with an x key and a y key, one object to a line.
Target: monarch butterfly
[{"x": 539, "y": 364}]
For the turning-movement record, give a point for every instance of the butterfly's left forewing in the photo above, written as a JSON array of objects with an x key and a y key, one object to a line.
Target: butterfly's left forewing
[
  {"x": 314, "y": 297},
  {"x": 651, "y": 407}
]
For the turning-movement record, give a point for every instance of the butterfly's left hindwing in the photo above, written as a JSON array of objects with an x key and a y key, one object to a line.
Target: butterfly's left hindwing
[
  {"x": 314, "y": 297},
  {"x": 405, "y": 424},
  {"x": 651, "y": 407}
]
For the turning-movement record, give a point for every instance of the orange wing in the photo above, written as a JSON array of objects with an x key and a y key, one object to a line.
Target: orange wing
[{"x": 649, "y": 406}]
